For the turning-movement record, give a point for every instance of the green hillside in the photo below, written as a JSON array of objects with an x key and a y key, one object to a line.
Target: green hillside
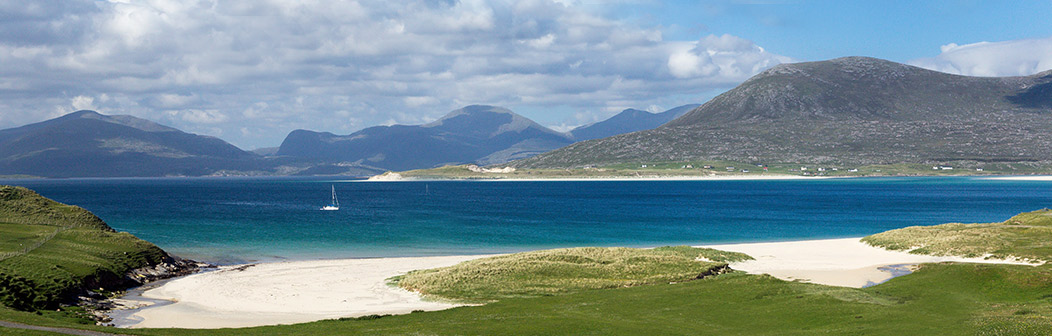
[{"x": 49, "y": 252}]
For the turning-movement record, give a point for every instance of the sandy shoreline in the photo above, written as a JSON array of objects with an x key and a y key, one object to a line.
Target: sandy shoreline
[
  {"x": 304, "y": 291},
  {"x": 617, "y": 178},
  {"x": 289, "y": 292}
]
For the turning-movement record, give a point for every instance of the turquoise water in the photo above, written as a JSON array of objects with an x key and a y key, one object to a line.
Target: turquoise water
[{"x": 231, "y": 220}]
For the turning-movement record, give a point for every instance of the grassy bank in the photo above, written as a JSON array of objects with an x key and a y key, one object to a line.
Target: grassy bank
[
  {"x": 562, "y": 271},
  {"x": 1025, "y": 236},
  {"x": 50, "y": 251}
]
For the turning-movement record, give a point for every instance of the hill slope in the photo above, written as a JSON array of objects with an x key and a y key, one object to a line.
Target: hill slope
[
  {"x": 89, "y": 144},
  {"x": 50, "y": 252},
  {"x": 473, "y": 134},
  {"x": 851, "y": 110},
  {"x": 629, "y": 120}
]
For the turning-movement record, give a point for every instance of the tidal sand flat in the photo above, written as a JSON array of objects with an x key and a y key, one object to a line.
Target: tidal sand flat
[
  {"x": 844, "y": 262},
  {"x": 288, "y": 292}
]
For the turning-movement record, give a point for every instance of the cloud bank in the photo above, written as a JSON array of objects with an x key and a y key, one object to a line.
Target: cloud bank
[
  {"x": 992, "y": 59},
  {"x": 251, "y": 71}
]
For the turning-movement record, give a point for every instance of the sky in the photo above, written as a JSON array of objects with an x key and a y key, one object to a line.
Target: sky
[{"x": 249, "y": 72}]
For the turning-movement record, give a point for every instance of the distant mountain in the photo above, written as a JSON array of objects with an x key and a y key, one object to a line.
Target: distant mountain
[
  {"x": 852, "y": 110},
  {"x": 474, "y": 134},
  {"x": 266, "y": 151},
  {"x": 629, "y": 120},
  {"x": 89, "y": 144}
]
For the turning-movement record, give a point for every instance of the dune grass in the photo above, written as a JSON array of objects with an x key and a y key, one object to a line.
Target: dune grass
[
  {"x": 561, "y": 271},
  {"x": 50, "y": 251},
  {"x": 1025, "y": 236}
]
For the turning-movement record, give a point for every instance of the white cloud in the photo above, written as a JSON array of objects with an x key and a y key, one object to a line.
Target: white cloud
[
  {"x": 274, "y": 66},
  {"x": 993, "y": 59},
  {"x": 200, "y": 116},
  {"x": 726, "y": 58},
  {"x": 83, "y": 103}
]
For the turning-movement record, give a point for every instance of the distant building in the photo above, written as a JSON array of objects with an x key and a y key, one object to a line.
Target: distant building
[
  {"x": 821, "y": 169},
  {"x": 707, "y": 167},
  {"x": 803, "y": 168},
  {"x": 745, "y": 170},
  {"x": 945, "y": 168},
  {"x": 730, "y": 168},
  {"x": 978, "y": 169},
  {"x": 853, "y": 170},
  {"x": 642, "y": 166}
]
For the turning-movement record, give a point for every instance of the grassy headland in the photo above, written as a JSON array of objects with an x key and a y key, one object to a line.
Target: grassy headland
[
  {"x": 1025, "y": 236},
  {"x": 50, "y": 252},
  {"x": 561, "y": 271}
]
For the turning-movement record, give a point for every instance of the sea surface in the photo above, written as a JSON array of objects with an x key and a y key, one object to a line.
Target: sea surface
[{"x": 235, "y": 220}]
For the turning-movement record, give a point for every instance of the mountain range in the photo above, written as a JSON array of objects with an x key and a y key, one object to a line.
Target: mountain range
[
  {"x": 479, "y": 134},
  {"x": 89, "y": 144},
  {"x": 852, "y": 110},
  {"x": 628, "y": 121},
  {"x": 86, "y": 143}
]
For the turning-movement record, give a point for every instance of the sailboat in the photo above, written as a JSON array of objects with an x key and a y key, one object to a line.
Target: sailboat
[{"x": 335, "y": 202}]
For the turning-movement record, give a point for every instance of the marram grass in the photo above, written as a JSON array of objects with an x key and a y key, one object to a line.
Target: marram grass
[
  {"x": 561, "y": 271},
  {"x": 1026, "y": 236}
]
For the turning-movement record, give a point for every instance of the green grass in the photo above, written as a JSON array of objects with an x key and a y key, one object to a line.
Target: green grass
[
  {"x": 562, "y": 271},
  {"x": 1027, "y": 236},
  {"x": 51, "y": 251}
]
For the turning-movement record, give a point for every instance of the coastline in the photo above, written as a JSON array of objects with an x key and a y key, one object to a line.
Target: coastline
[
  {"x": 616, "y": 178},
  {"x": 305, "y": 291}
]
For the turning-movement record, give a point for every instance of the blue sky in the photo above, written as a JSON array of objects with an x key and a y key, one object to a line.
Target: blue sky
[
  {"x": 249, "y": 72},
  {"x": 817, "y": 30}
]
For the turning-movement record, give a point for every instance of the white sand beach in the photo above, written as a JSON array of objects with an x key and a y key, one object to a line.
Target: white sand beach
[
  {"x": 304, "y": 291},
  {"x": 289, "y": 292},
  {"x": 839, "y": 262}
]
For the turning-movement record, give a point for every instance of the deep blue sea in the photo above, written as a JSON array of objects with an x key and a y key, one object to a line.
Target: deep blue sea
[{"x": 233, "y": 220}]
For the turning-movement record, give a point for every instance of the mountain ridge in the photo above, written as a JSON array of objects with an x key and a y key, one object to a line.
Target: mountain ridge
[
  {"x": 88, "y": 144},
  {"x": 855, "y": 110}
]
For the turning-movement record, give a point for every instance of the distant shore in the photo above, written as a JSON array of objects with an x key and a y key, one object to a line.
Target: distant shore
[
  {"x": 1021, "y": 178},
  {"x": 304, "y": 291},
  {"x": 398, "y": 178}
]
